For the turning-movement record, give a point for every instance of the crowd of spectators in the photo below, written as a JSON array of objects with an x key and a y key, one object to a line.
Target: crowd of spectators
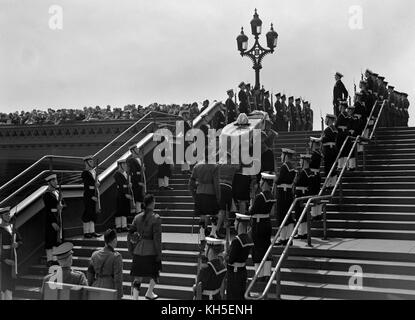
[{"x": 89, "y": 114}]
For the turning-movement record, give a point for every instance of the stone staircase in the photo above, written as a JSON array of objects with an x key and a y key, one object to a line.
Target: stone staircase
[{"x": 373, "y": 230}]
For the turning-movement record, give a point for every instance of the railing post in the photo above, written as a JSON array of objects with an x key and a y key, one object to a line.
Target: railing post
[
  {"x": 309, "y": 227},
  {"x": 278, "y": 285},
  {"x": 50, "y": 164},
  {"x": 324, "y": 221}
]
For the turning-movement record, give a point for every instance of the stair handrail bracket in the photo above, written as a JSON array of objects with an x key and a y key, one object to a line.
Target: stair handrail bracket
[{"x": 310, "y": 199}]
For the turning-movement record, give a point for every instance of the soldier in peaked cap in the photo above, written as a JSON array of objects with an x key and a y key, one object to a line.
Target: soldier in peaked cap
[
  {"x": 124, "y": 196},
  {"x": 285, "y": 195},
  {"x": 231, "y": 107},
  {"x": 292, "y": 111},
  {"x": 10, "y": 240},
  {"x": 68, "y": 276},
  {"x": 328, "y": 140},
  {"x": 211, "y": 276},
  {"x": 339, "y": 93},
  {"x": 267, "y": 105},
  {"x": 315, "y": 183},
  {"x": 280, "y": 112},
  {"x": 52, "y": 199},
  {"x": 299, "y": 115},
  {"x": 91, "y": 184},
  {"x": 261, "y": 223},
  {"x": 237, "y": 257},
  {"x": 302, "y": 189},
  {"x": 353, "y": 128},
  {"x": 308, "y": 117},
  {"x": 136, "y": 173},
  {"x": 286, "y": 113}
]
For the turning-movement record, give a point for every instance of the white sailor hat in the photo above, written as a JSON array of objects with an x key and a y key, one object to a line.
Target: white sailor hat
[
  {"x": 87, "y": 158},
  {"x": 305, "y": 156},
  {"x": 315, "y": 140},
  {"x": 267, "y": 176},
  {"x": 242, "y": 217},
  {"x": 51, "y": 177},
  {"x": 288, "y": 151},
  {"x": 212, "y": 242},
  {"x": 121, "y": 161},
  {"x": 63, "y": 251},
  {"x": 4, "y": 210},
  {"x": 331, "y": 116}
]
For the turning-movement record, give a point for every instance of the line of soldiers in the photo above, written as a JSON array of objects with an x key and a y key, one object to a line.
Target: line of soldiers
[
  {"x": 219, "y": 190},
  {"x": 395, "y": 113}
]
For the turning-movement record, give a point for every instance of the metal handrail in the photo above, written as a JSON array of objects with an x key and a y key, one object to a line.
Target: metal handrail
[
  {"x": 309, "y": 199},
  {"x": 377, "y": 120},
  {"x": 131, "y": 127},
  {"x": 35, "y": 164},
  {"x": 126, "y": 143},
  {"x": 27, "y": 184}
]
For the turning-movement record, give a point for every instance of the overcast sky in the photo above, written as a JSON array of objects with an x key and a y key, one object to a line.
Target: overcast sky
[{"x": 180, "y": 51}]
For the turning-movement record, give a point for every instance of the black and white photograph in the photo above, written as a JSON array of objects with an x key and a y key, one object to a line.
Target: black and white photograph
[{"x": 206, "y": 156}]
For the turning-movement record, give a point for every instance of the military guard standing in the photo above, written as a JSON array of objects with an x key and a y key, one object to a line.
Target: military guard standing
[
  {"x": 268, "y": 108},
  {"x": 9, "y": 242},
  {"x": 210, "y": 278},
  {"x": 91, "y": 192},
  {"x": 124, "y": 197},
  {"x": 268, "y": 137},
  {"x": 52, "y": 199},
  {"x": 340, "y": 93},
  {"x": 136, "y": 176},
  {"x": 106, "y": 266},
  {"x": 315, "y": 183},
  {"x": 286, "y": 113},
  {"x": 280, "y": 112},
  {"x": 330, "y": 151},
  {"x": 243, "y": 99},
  {"x": 261, "y": 223},
  {"x": 237, "y": 257},
  {"x": 299, "y": 115},
  {"x": 285, "y": 195},
  {"x": 302, "y": 189},
  {"x": 64, "y": 255},
  {"x": 308, "y": 117},
  {"x": 231, "y": 107},
  {"x": 342, "y": 126},
  {"x": 292, "y": 111}
]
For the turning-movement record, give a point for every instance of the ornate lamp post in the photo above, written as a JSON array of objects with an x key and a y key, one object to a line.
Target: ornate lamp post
[{"x": 257, "y": 52}]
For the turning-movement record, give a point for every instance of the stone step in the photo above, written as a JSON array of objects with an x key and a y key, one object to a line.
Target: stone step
[
  {"x": 367, "y": 200},
  {"x": 347, "y": 207},
  {"x": 365, "y": 234}
]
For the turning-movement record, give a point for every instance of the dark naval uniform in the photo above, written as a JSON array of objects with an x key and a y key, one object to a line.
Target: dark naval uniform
[
  {"x": 302, "y": 189},
  {"x": 280, "y": 116},
  {"x": 53, "y": 238},
  {"x": 237, "y": 275},
  {"x": 231, "y": 109},
  {"x": 315, "y": 164},
  {"x": 292, "y": 110},
  {"x": 261, "y": 224},
  {"x": 268, "y": 108},
  {"x": 211, "y": 277},
  {"x": 285, "y": 195},
  {"x": 329, "y": 149},
  {"x": 243, "y": 102},
  {"x": 123, "y": 203},
  {"x": 90, "y": 213},
  {"x": 137, "y": 179},
  {"x": 342, "y": 126},
  {"x": 8, "y": 276},
  {"x": 339, "y": 93}
]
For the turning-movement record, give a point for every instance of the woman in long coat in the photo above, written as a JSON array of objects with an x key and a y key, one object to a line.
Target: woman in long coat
[{"x": 144, "y": 242}]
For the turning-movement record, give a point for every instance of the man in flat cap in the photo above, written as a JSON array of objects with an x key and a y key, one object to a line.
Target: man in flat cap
[
  {"x": 91, "y": 192},
  {"x": 52, "y": 199},
  {"x": 136, "y": 175},
  {"x": 9, "y": 241},
  {"x": 231, "y": 107},
  {"x": 64, "y": 273},
  {"x": 340, "y": 93}
]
